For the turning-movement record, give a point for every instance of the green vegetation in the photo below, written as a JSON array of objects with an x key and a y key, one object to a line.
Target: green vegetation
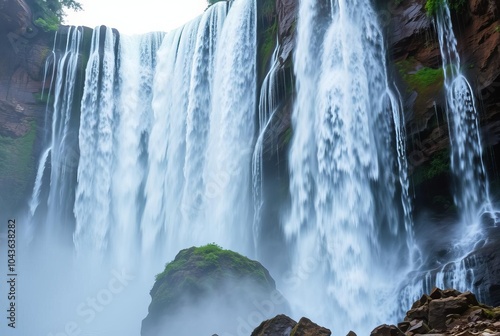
[
  {"x": 493, "y": 313},
  {"x": 266, "y": 48},
  {"x": 497, "y": 29},
  {"x": 439, "y": 164},
  {"x": 427, "y": 82},
  {"x": 431, "y": 6},
  {"x": 287, "y": 136},
  {"x": 16, "y": 162},
  {"x": 49, "y": 14},
  {"x": 424, "y": 78},
  {"x": 210, "y": 258},
  {"x": 196, "y": 270}
]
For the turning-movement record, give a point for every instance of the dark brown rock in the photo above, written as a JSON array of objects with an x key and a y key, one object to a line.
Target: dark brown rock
[
  {"x": 279, "y": 325},
  {"x": 387, "y": 330},
  {"x": 419, "y": 328},
  {"x": 306, "y": 327},
  {"x": 404, "y": 326},
  {"x": 436, "y": 293},
  {"x": 470, "y": 298},
  {"x": 420, "y": 313},
  {"x": 440, "y": 308}
]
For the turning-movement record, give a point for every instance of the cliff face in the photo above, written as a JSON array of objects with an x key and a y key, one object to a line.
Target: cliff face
[
  {"x": 414, "y": 47},
  {"x": 23, "y": 51}
]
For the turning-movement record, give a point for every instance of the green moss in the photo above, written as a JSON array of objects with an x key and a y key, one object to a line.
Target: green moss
[
  {"x": 211, "y": 257},
  {"x": 196, "y": 270},
  {"x": 48, "y": 24},
  {"x": 438, "y": 165},
  {"x": 493, "y": 313},
  {"x": 17, "y": 162},
  {"x": 266, "y": 47},
  {"x": 432, "y": 6},
  {"x": 287, "y": 136},
  {"x": 42, "y": 99},
  {"x": 425, "y": 77},
  {"x": 425, "y": 81},
  {"x": 497, "y": 29},
  {"x": 267, "y": 8}
]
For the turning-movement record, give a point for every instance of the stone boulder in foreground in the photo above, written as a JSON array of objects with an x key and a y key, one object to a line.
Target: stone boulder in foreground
[
  {"x": 446, "y": 313},
  {"x": 209, "y": 290}
]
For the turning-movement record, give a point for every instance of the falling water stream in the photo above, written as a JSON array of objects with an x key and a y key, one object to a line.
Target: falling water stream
[{"x": 344, "y": 223}]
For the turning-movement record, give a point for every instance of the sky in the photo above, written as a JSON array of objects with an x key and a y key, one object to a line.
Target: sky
[{"x": 136, "y": 16}]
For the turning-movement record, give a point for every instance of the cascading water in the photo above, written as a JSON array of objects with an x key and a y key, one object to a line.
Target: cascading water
[
  {"x": 268, "y": 104},
  {"x": 472, "y": 191},
  {"x": 61, "y": 150},
  {"x": 96, "y": 139},
  {"x": 231, "y": 135},
  {"x": 163, "y": 137},
  {"x": 344, "y": 206},
  {"x": 181, "y": 189},
  {"x": 471, "y": 194}
]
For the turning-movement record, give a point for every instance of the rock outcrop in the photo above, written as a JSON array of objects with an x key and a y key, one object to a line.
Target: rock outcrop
[
  {"x": 227, "y": 293},
  {"x": 282, "y": 325},
  {"x": 23, "y": 51},
  {"x": 446, "y": 313}
]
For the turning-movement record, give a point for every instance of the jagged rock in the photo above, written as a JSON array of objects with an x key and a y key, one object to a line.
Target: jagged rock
[
  {"x": 440, "y": 308},
  {"x": 450, "y": 313},
  {"x": 418, "y": 313},
  {"x": 404, "y": 326},
  {"x": 279, "y": 325},
  {"x": 287, "y": 19},
  {"x": 419, "y": 328},
  {"x": 351, "y": 333},
  {"x": 283, "y": 325},
  {"x": 387, "y": 330},
  {"x": 306, "y": 327}
]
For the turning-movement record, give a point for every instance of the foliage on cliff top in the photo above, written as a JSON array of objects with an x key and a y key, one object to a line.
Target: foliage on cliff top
[
  {"x": 196, "y": 270},
  {"x": 431, "y": 6},
  {"x": 49, "y": 14}
]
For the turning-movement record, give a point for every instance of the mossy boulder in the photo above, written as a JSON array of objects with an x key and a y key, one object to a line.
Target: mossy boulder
[{"x": 224, "y": 291}]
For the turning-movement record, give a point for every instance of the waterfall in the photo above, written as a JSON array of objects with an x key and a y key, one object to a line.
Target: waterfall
[
  {"x": 342, "y": 158},
  {"x": 60, "y": 152},
  {"x": 472, "y": 192},
  {"x": 95, "y": 138},
  {"x": 229, "y": 147},
  {"x": 35, "y": 198},
  {"x": 268, "y": 104},
  {"x": 133, "y": 114},
  {"x": 182, "y": 95}
]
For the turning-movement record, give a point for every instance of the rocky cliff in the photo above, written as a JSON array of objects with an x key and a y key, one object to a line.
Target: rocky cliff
[{"x": 23, "y": 51}]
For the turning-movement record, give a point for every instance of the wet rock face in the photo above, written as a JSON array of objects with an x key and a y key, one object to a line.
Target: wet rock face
[
  {"x": 446, "y": 312},
  {"x": 287, "y": 19}
]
